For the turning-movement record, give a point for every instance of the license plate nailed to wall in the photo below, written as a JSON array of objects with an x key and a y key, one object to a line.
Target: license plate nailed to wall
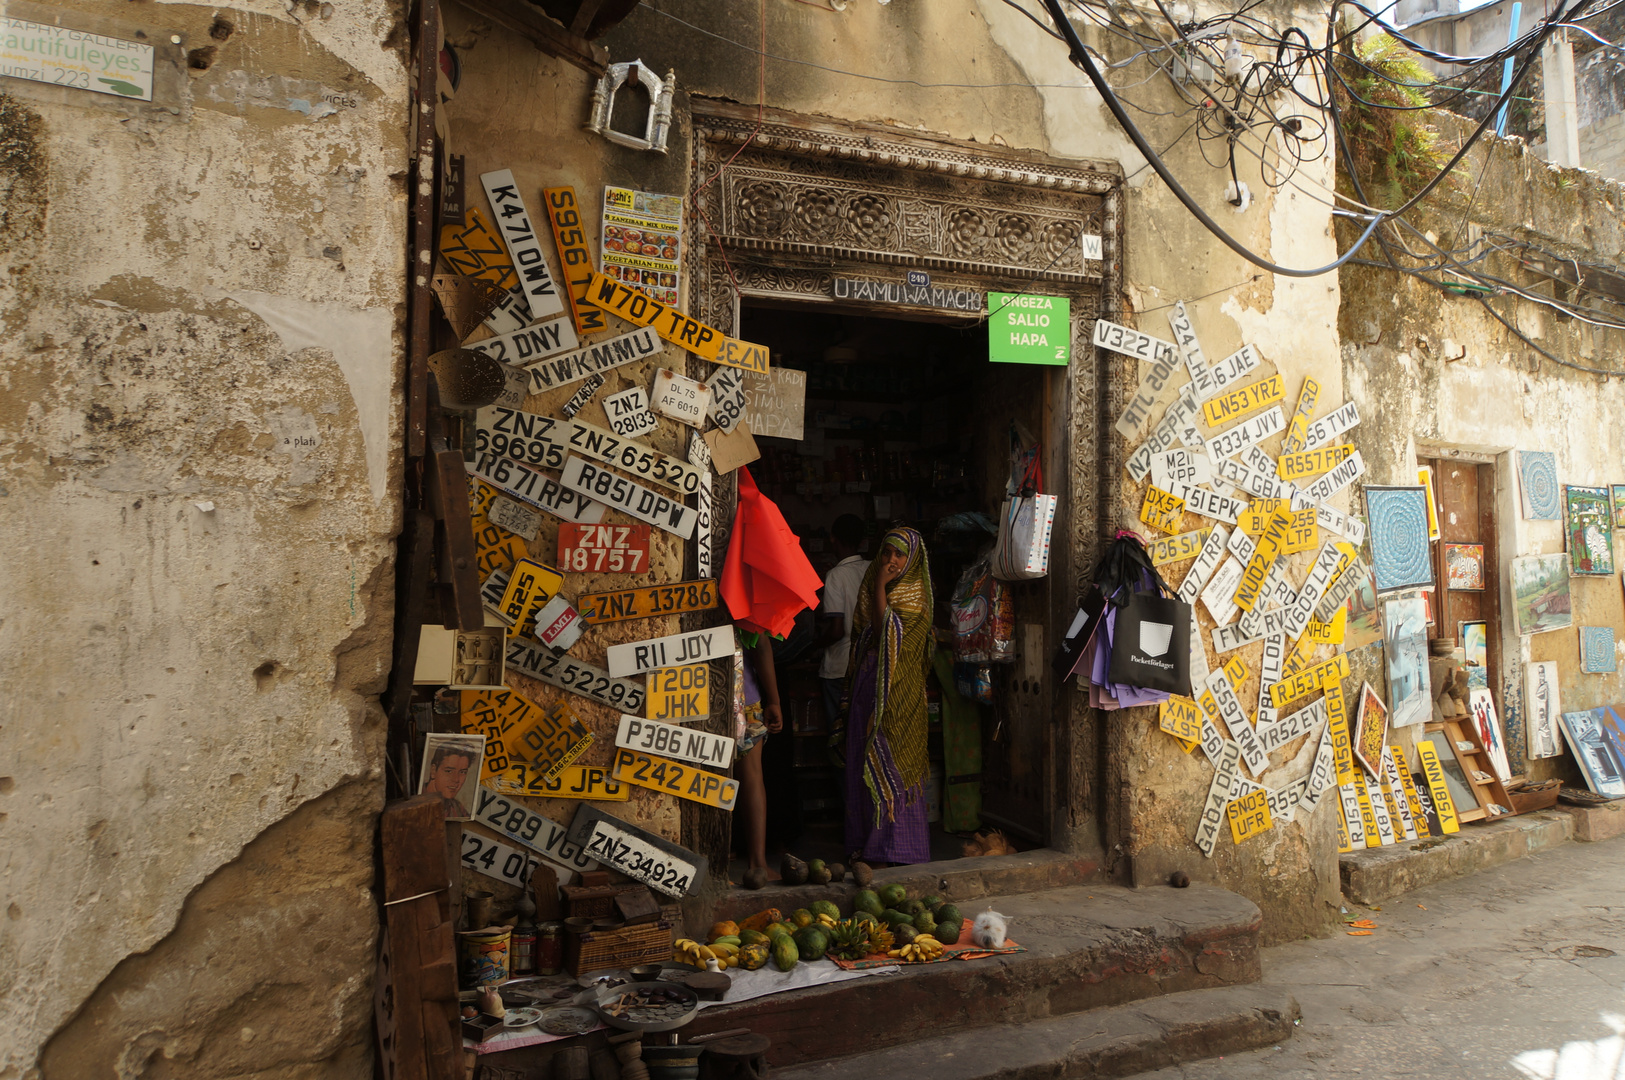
[
  {"x": 497, "y": 860},
  {"x": 603, "y": 549},
  {"x": 640, "y": 855},
  {"x": 637, "y": 657},
  {"x": 535, "y": 831},
  {"x": 679, "y": 692},
  {"x": 536, "y": 488},
  {"x": 669, "y": 740},
  {"x": 648, "y": 602},
  {"x": 568, "y": 673},
  {"x": 643, "y": 462},
  {"x": 674, "y": 778},
  {"x": 585, "y": 782},
  {"x": 600, "y": 484},
  {"x": 525, "y": 437}
]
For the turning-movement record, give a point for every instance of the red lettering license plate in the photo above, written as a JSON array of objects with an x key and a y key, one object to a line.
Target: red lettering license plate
[{"x": 603, "y": 549}]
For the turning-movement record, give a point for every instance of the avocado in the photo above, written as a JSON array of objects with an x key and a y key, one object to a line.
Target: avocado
[
  {"x": 933, "y": 902},
  {"x": 912, "y": 907},
  {"x": 893, "y": 895},
  {"x": 867, "y": 900},
  {"x": 895, "y": 918},
  {"x": 924, "y": 923},
  {"x": 903, "y": 933}
]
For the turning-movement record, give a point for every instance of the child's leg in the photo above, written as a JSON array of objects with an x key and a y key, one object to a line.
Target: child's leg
[{"x": 753, "y": 805}]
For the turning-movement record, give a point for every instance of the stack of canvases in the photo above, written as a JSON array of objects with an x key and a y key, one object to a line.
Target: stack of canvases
[
  {"x": 1277, "y": 753},
  {"x": 580, "y": 506}
]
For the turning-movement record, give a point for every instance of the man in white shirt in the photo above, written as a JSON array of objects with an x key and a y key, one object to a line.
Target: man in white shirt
[{"x": 840, "y": 601}]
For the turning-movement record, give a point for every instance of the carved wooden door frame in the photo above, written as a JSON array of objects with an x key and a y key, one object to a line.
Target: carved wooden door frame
[{"x": 784, "y": 203}]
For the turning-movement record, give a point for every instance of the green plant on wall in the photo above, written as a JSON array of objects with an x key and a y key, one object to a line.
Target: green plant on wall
[{"x": 1395, "y": 150}]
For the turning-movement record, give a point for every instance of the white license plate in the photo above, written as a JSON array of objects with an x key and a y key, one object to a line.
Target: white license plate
[
  {"x": 536, "y": 831},
  {"x": 1341, "y": 524},
  {"x": 507, "y": 514},
  {"x": 1138, "y": 411},
  {"x": 640, "y": 860},
  {"x": 537, "y": 489},
  {"x": 529, "y": 344},
  {"x": 1234, "y": 440},
  {"x": 524, "y": 246},
  {"x": 515, "y": 385},
  {"x": 1235, "y": 366},
  {"x": 578, "y": 400},
  {"x": 568, "y": 673},
  {"x": 1199, "y": 500},
  {"x": 1314, "y": 587},
  {"x": 1207, "y": 561},
  {"x": 1329, "y": 427},
  {"x": 1180, "y": 467},
  {"x": 727, "y": 398},
  {"x": 1241, "y": 729},
  {"x": 495, "y": 859},
  {"x": 1341, "y": 476},
  {"x": 670, "y": 740},
  {"x": 1226, "y": 772},
  {"x": 644, "y": 462},
  {"x": 1131, "y": 342},
  {"x": 637, "y": 657},
  {"x": 1219, "y": 593},
  {"x": 598, "y": 483},
  {"x": 528, "y": 438},
  {"x": 628, "y": 413},
  {"x": 553, "y": 372},
  {"x": 680, "y": 397},
  {"x": 604, "y": 549}
]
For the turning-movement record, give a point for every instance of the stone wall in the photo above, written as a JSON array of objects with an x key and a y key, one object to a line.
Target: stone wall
[{"x": 199, "y": 479}]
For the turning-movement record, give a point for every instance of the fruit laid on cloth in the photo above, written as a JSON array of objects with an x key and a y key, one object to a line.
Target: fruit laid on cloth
[
  {"x": 783, "y": 926},
  {"x": 801, "y": 917},
  {"x": 893, "y": 895},
  {"x": 924, "y": 923},
  {"x": 753, "y": 956},
  {"x": 822, "y": 920},
  {"x": 730, "y": 940},
  {"x": 895, "y": 918},
  {"x": 824, "y": 907},
  {"x": 724, "y": 929},
  {"x": 752, "y": 937},
  {"x": 811, "y": 942},
  {"x": 947, "y": 913},
  {"x": 689, "y": 951},
  {"x": 785, "y": 953},
  {"x": 921, "y": 949},
  {"x": 867, "y": 900},
  {"x": 865, "y": 917},
  {"x": 904, "y": 933},
  {"x": 850, "y": 940},
  {"x": 761, "y": 920},
  {"x": 948, "y": 932}
]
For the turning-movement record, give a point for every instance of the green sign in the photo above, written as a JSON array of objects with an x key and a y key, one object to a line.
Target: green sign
[{"x": 1028, "y": 329}]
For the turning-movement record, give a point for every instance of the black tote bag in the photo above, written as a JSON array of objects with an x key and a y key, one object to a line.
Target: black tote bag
[{"x": 1151, "y": 645}]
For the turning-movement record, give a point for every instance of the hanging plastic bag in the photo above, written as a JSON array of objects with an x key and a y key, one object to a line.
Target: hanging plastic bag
[
  {"x": 1026, "y": 522},
  {"x": 984, "y": 617}
]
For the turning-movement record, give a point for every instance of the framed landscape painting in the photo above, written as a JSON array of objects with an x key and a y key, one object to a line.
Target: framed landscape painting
[
  {"x": 1588, "y": 527},
  {"x": 1540, "y": 593}
]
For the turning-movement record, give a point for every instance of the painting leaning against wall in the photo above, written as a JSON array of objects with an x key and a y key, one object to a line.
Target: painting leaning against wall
[
  {"x": 1588, "y": 527},
  {"x": 1540, "y": 593}
]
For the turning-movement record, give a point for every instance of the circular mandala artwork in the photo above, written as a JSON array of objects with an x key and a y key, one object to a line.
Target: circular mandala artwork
[
  {"x": 1399, "y": 537},
  {"x": 1539, "y": 482}
]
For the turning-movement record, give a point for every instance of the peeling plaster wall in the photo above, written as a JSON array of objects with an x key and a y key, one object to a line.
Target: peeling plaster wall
[
  {"x": 1441, "y": 372},
  {"x": 991, "y": 78},
  {"x": 199, "y": 299}
]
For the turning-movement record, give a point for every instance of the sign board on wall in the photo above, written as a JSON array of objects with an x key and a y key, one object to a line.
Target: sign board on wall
[
  {"x": 776, "y": 403},
  {"x": 643, "y": 241},
  {"x": 1024, "y": 329},
  {"x": 60, "y": 56}
]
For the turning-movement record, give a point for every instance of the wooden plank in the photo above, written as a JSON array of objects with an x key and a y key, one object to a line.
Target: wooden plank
[
  {"x": 529, "y": 23},
  {"x": 446, "y": 491},
  {"x": 426, "y": 1043},
  {"x": 420, "y": 293}
]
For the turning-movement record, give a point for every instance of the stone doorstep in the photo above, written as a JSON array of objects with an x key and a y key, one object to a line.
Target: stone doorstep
[
  {"x": 1119, "y": 1041},
  {"x": 1377, "y": 874},
  {"x": 1596, "y": 822},
  {"x": 957, "y": 880},
  {"x": 1088, "y": 947}
]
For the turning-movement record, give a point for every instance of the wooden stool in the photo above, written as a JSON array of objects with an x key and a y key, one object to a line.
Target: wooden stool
[{"x": 743, "y": 1057}]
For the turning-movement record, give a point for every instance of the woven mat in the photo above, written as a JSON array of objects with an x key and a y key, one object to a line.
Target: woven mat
[{"x": 949, "y": 952}]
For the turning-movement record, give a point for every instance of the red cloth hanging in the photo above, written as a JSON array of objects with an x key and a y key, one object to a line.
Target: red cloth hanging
[{"x": 766, "y": 580}]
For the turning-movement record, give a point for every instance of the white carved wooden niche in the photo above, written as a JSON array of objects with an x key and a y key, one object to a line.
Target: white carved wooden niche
[{"x": 658, "y": 121}]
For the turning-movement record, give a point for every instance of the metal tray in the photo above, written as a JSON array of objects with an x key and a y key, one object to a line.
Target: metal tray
[{"x": 692, "y": 1002}]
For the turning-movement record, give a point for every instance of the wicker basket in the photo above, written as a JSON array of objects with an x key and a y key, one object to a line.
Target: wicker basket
[
  {"x": 645, "y": 943},
  {"x": 596, "y": 902}
]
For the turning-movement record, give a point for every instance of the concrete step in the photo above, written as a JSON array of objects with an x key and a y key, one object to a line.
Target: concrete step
[
  {"x": 1088, "y": 947},
  {"x": 1118, "y": 1041},
  {"x": 1592, "y": 823},
  {"x": 1373, "y": 875}
]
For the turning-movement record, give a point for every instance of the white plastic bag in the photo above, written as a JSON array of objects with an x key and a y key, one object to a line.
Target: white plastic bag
[{"x": 1025, "y": 525}]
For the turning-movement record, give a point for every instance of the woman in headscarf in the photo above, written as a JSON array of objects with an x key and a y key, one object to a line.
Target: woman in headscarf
[{"x": 885, "y": 743}]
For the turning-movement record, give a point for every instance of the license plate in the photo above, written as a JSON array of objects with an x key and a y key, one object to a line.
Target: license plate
[
  {"x": 525, "y": 437},
  {"x": 1307, "y": 682},
  {"x": 1308, "y": 463},
  {"x": 1249, "y": 816},
  {"x": 648, "y": 602},
  {"x": 674, "y": 778},
  {"x": 1234, "y": 440},
  {"x": 1181, "y": 718},
  {"x": 700, "y": 455},
  {"x": 585, "y": 782},
  {"x": 727, "y": 407},
  {"x": 558, "y": 625},
  {"x": 568, "y": 673},
  {"x": 1242, "y": 400},
  {"x": 1226, "y": 773},
  {"x": 495, "y": 859},
  {"x": 636, "y": 657},
  {"x": 618, "y": 847},
  {"x": 530, "y": 584},
  {"x": 473, "y": 250},
  {"x": 604, "y": 549},
  {"x": 639, "y": 309},
  {"x": 1199, "y": 500},
  {"x": 1207, "y": 561},
  {"x": 536, "y": 488},
  {"x": 575, "y": 258},
  {"x": 507, "y": 514},
  {"x": 742, "y": 355},
  {"x": 1161, "y": 510},
  {"x": 1131, "y": 342},
  {"x": 641, "y": 461},
  {"x": 494, "y": 549},
  {"x": 578, "y": 400},
  {"x": 1235, "y": 366},
  {"x": 679, "y": 692},
  {"x": 524, "y": 246},
  {"x": 1180, "y": 466},
  {"x": 628, "y": 413},
  {"x": 1324, "y": 487},
  {"x": 597, "y": 483},
  {"x": 1235, "y": 719},
  {"x": 529, "y": 344},
  {"x": 535, "y": 741},
  {"x": 551, "y": 372},
  {"x": 1293, "y": 726},
  {"x": 1327, "y": 428},
  {"x": 1172, "y": 549},
  {"x": 1138, "y": 411},
  {"x": 536, "y": 831},
  {"x": 670, "y": 740},
  {"x": 1308, "y": 398},
  {"x": 680, "y": 397}
]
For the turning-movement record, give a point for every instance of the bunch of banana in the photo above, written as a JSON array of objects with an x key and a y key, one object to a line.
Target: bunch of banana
[
  {"x": 727, "y": 955},
  {"x": 923, "y": 948},
  {"x": 689, "y": 951},
  {"x": 824, "y": 920}
]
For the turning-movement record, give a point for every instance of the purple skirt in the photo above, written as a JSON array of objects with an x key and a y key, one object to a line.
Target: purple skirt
[{"x": 908, "y": 838}]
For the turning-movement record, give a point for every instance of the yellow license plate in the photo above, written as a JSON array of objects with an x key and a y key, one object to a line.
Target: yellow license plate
[
  {"x": 1238, "y": 403},
  {"x": 1180, "y": 717},
  {"x": 674, "y": 778},
  {"x": 1171, "y": 549},
  {"x": 1249, "y": 815},
  {"x": 585, "y": 782},
  {"x": 647, "y": 602},
  {"x": 529, "y": 587},
  {"x": 1307, "y": 463},
  {"x": 678, "y": 692},
  {"x": 1162, "y": 510}
]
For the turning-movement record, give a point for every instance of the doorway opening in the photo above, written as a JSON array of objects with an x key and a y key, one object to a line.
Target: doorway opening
[{"x": 908, "y": 423}]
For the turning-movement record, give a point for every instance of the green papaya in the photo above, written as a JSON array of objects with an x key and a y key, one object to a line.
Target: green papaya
[
  {"x": 729, "y": 939},
  {"x": 893, "y": 895},
  {"x": 753, "y": 937},
  {"x": 947, "y": 913},
  {"x": 785, "y": 953},
  {"x": 811, "y": 942},
  {"x": 824, "y": 907},
  {"x": 924, "y": 923},
  {"x": 801, "y": 916},
  {"x": 948, "y": 932},
  {"x": 867, "y": 900}
]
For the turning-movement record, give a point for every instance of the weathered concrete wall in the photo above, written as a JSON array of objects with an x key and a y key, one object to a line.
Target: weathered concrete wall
[
  {"x": 200, "y": 299},
  {"x": 1438, "y": 370},
  {"x": 991, "y": 77}
]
